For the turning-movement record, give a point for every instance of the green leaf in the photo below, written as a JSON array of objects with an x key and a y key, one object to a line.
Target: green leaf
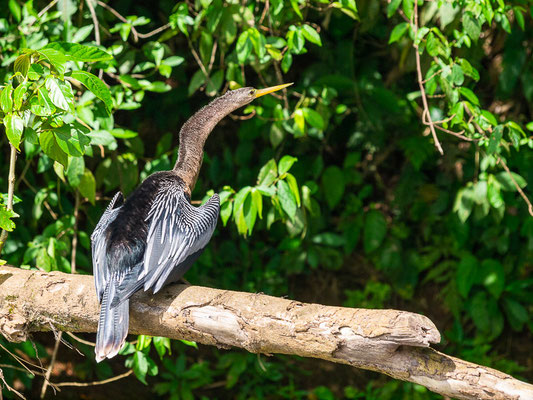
[
  {"x": 495, "y": 139},
  {"x": 162, "y": 345},
  {"x": 6, "y": 101},
  {"x": 244, "y": 47},
  {"x": 80, "y": 52},
  {"x": 518, "y": 13},
  {"x": 457, "y": 76},
  {"x": 14, "y": 128},
  {"x": 18, "y": 95},
  {"x": 55, "y": 58},
  {"x": 51, "y": 148},
  {"x": 374, "y": 231},
  {"x": 299, "y": 120},
  {"x": 143, "y": 342},
  {"x": 123, "y": 133},
  {"x": 96, "y": 86},
  {"x": 75, "y": 171},
  {"x": 257, "y": 200},
  {"x": 472, "y": 26},
  {"x": 56, "y": 94},
  {"x": 464, "y": 202},
  {"x": 293, "y": 185},
  {"x": 72, "y": 138},
  {"x": 493, "y": 193},
  {"x": 286, "y": 62},
  {"x": 516, "y": 313},
  {"x": 296, "y": 7},
  {"x": 507, "y": 183},
  {"x": 492, "y": 276},
  {"x": 398, "y": 32},
  {"x": 15, "y": 9},
  {"x": 286, "y": 199},
  {"x": 87, "y": 186},
  {"x": 250, "y": 212},
  {"x": 285, "y": 164},
  {"x": 225, "y": 212},
  {"x": 333, "y": 185},
  {"x": 329, "y": 239},
  {"x": 408, "y": 7},
  {"x": 268, "y": 173},
  {"x": 469, "y": 95},
  {"x": 432, "y": 44},
  {"x": 197, "y": 80},
  {"x": 140, "y": 366},
  {"x": 22, "y": 64},
  {"x": 485, "y": 314},
  {"x": 466, "y": 274},
  {"x": 311, "y": 34},
  {"x": 313, "y": 118},
  {"x": 5, "y": 218},
  {"x": 392, "y": 7}
]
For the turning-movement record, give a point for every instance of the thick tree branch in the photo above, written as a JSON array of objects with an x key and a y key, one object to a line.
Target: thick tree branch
[{"x": 393, "y": 342}]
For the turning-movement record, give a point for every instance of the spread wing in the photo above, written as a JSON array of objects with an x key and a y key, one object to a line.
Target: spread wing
[
  {"x": 177, "y": 234},
  {"x": 99, "y": 244}
]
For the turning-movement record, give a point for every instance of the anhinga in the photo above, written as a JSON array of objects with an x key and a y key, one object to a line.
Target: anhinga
[{"x": 152, "y": 238}]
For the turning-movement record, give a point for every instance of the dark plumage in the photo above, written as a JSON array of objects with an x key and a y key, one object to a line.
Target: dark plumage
[{"x": 153, "y": 238}]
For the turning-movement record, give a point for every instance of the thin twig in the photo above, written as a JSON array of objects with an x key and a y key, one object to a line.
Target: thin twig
[
  {"x": 421, "y": 84},
  {"x": 9, "y": 387},
  {"x": 154, "y": 32},
  {"x": 135, "y": 32},
  {"x": 96, "y": 29},
  {"x": 52, "y": 362},
  {"x": 20, "y": 360},
  {"x": 10, "y": 190},
  {"x": 49, "y": 6},
  {"x": 120, "y": 17},
  {"x": 75, "y": 234},
  {"x": 199, "y": 62},
  {"x": 19, "y": 369},
  {"x": 265, "y": 10},
  {"x": 83, "y": 384},
  {"x": 456, "y": 134},
  {"x": 212, "y": 59},
  {"x": 46, "y": 204},
  {"x": 517, "y": 186},
  {"x": 79, "y": 339}
]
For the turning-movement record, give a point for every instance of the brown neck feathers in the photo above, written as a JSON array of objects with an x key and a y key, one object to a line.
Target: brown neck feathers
[{"x": 193, "y": 135}]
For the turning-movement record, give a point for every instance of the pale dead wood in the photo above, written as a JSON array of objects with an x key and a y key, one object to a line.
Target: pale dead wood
[{"x": 392, "y": 342}]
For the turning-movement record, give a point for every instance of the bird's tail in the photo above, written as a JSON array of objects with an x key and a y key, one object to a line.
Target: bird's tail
[{"x": 112, "y": 325}]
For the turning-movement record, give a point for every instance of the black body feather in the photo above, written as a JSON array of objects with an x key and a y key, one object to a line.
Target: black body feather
[{"x": 147, "y": 242}]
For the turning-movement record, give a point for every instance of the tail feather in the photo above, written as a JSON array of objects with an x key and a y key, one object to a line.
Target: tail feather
[{"x": 112, "y": 326}]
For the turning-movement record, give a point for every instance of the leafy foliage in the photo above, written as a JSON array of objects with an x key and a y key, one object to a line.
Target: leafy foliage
[{"x": 331, "y": 192}]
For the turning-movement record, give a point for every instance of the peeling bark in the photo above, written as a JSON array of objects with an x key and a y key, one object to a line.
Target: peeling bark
[{"x": 392, "y": 342}]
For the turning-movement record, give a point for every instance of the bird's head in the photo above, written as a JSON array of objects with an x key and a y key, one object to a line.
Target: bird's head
[{"x": 245, "y": 95}]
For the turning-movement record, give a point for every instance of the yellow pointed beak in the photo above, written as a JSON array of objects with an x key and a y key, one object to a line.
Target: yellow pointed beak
[{"x": 268, "y": 90}]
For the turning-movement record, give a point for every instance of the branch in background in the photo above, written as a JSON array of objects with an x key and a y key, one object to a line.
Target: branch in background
[
  {"x": 517, "y": 186},
  {"x": 421, "y": 85},
  {"x": 10, "y": 190},
  {"x": 95, "y": 383},
  {"x": 392, "y": 342},
  {"x": 136, "y": 34},
  {"x": 96, "y": 29}
]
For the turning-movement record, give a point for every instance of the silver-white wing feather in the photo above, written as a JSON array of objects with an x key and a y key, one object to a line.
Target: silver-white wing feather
[
  {"x": 99, "y": 245},
  {"x": 177, "y": 233}
]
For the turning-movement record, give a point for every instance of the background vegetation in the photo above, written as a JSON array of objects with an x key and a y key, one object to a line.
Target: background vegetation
[{"x": 335, "y": 193}]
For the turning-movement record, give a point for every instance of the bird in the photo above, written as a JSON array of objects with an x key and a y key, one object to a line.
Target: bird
[{"x": 152, "y": 238}]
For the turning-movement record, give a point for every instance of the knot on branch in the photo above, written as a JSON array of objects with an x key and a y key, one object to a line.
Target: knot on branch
[{"x": 13, "y": 327}]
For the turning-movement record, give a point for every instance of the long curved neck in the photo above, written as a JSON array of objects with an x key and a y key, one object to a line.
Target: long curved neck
[{"x": 193, "y": 135}]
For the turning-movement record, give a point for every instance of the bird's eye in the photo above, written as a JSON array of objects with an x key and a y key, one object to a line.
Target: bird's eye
[{"x": 252, "y": 92}]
